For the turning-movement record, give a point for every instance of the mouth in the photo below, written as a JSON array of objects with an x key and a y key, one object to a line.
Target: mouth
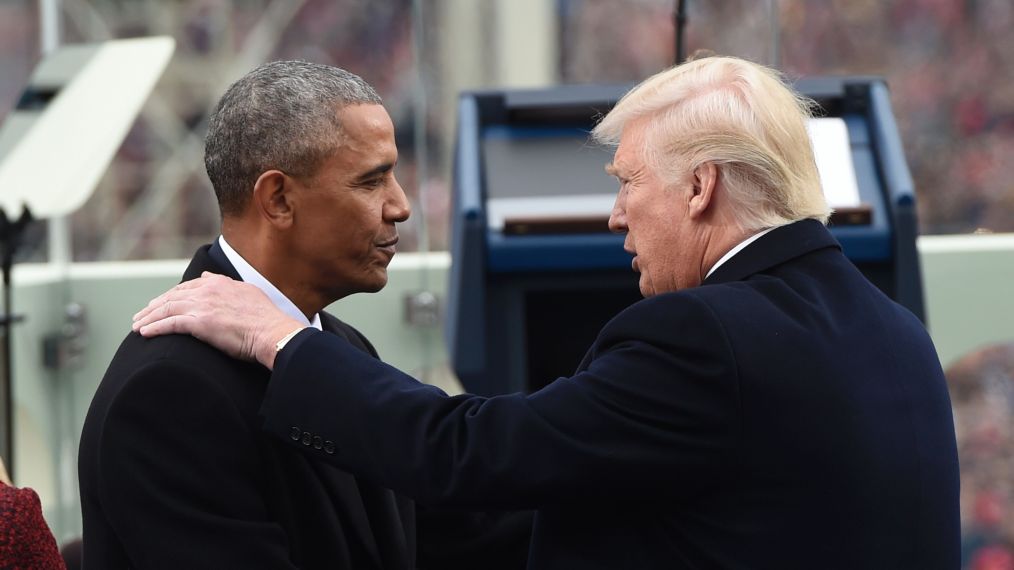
[
  {"x": 633, "y": 261},
  {"x": 388, "y": 246}
]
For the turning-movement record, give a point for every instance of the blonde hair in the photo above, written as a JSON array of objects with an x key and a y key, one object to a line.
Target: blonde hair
[{"x": 739, "y": 116}]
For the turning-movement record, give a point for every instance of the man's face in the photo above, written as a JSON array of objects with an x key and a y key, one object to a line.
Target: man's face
[
  {"x": 653, "y": 214},
  {"x": 347, "y": 211}
]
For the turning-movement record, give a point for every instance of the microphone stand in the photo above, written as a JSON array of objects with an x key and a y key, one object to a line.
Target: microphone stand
[{"x": 11, "y": 231}]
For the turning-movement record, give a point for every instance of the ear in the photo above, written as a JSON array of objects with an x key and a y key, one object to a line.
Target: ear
[
  {"x": 272, "y": 198},
  {"x": 705, "y": 180}
]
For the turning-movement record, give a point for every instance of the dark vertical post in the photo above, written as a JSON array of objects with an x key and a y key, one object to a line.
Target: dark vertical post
[
  {"x": 679, "y": 24},
  {"x": 6, "y": 403},
  {"x": 10, "y": 235}
]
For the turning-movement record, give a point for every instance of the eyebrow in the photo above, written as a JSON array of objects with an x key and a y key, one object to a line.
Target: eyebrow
[
  {"x": 611, "y": 169},
  {"x": 380, "y": 169}
]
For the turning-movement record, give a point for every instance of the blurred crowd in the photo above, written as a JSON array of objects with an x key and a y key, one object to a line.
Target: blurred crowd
[
  {"x": 947, "y": 62},
  {"x": 982, "y": 393}
]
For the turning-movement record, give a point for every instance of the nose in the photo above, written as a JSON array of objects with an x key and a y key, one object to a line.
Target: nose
[
  {"x": 618, "y": 216},
  {"x": 397, "y": 208}
]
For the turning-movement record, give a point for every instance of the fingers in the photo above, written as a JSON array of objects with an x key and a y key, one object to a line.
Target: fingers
[
  {"x": 171, "y": 303},
  {"x": 176, "y": 324},
  {"x": 161, "y": 307},
  {"x": 229, "y": 315},
  {"x": 152, "y": 305},
  {"x": 161, "y": 299},
  {"x": 169, "y": 309},
  {"x": 155, "y": 310},
  {"x": 149, "y": 313}
]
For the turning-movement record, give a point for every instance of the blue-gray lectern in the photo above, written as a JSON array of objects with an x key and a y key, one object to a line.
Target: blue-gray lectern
[{"x": 535, "y": 272}]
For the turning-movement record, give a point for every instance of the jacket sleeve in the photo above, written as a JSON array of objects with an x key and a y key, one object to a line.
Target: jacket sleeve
[
  {"x": 180, "y": 477},
  {"x": 654, "y": 414}
]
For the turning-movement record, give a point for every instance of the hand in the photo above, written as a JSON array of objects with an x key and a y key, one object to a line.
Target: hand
[
  {"x": 234, "y": 317},
  {"x": 4, "y": 477}
]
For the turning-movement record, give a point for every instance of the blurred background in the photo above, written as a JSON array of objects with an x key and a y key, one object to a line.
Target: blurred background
[
  {"x": 947, "y": 62},
  {"x": 949, "y": 65}
]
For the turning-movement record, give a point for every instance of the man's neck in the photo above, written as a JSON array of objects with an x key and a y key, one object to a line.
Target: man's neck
[
  {"x": 257, "y": 271},
  {"x": 742, "y": 240}
]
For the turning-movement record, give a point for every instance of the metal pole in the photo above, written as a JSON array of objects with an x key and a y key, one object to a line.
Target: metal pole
[
  {"x": 10, "y": 235},
  {"x": 6, "y": 384},
  {"x": 57, "y": 230},
  {"x": 48, "y": 39},
  {"x": 421, "y": 149},
  {"x": 49, "y": 25},
  {"x": 679, "y": 25},
  {"x": 776, "y": 34},
  {"x": 419, "y": 122},
  {"x": 60, "y": 251}
]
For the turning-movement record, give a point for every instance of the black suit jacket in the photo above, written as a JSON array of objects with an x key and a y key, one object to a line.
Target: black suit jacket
[
  {"x": 175, "y": 471},
  {"x": 785, "y": 414}
]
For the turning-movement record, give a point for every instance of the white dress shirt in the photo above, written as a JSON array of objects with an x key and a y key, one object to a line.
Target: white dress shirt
[{"x": 253, "y": 277}]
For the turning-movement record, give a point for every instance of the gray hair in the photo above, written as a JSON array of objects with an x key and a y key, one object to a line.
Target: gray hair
[{"x": 282, "y": 115}]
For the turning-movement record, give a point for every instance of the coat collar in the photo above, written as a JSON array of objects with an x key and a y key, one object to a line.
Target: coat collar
[
  {"x": 210, "y": 258},
  {"x": 776, "y": 247}
]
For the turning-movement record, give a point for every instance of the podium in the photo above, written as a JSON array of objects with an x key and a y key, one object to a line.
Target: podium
[{"x": 535, "y": 272}]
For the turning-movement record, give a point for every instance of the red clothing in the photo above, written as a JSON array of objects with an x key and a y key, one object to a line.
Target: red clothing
[{"x": 25, "y": 540}]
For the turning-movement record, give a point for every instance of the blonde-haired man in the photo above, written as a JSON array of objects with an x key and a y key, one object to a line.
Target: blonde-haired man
[{"x": 764, "y": 406}]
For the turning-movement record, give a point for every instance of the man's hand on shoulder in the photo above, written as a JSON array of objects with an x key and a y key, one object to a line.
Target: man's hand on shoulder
[{"x": 234, "y": 317}]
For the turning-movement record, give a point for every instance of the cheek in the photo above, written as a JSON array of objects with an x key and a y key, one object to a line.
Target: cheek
[
  {"x": 654, "y": 239},
  {"x": 664, "y": 258}
]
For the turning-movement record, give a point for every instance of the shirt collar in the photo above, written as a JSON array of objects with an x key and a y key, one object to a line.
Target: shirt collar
[
  {"x": 253, "y": 277},
  {"x": 740, "y": 247}
]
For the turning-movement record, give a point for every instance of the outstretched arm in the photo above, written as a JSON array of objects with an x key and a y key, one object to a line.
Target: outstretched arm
[
  {"x": 643, "y": 422},
  {"x": 653, "y": 415}
]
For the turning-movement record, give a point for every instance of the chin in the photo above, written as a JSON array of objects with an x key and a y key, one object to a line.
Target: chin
[
  {"x": 645, "y": 287},
  {"x": 376, "y": 284},
  {"x": 365, "y": 284}
]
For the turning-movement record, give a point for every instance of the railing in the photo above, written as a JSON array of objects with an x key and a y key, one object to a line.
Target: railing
[{"x": 967, "y": 281}]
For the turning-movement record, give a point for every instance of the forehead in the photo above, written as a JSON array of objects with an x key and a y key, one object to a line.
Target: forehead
[
  {"x": 366, "y": 139},
  {"x": 630, "y": 152},
  {"x": 365, "y": 121}
]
